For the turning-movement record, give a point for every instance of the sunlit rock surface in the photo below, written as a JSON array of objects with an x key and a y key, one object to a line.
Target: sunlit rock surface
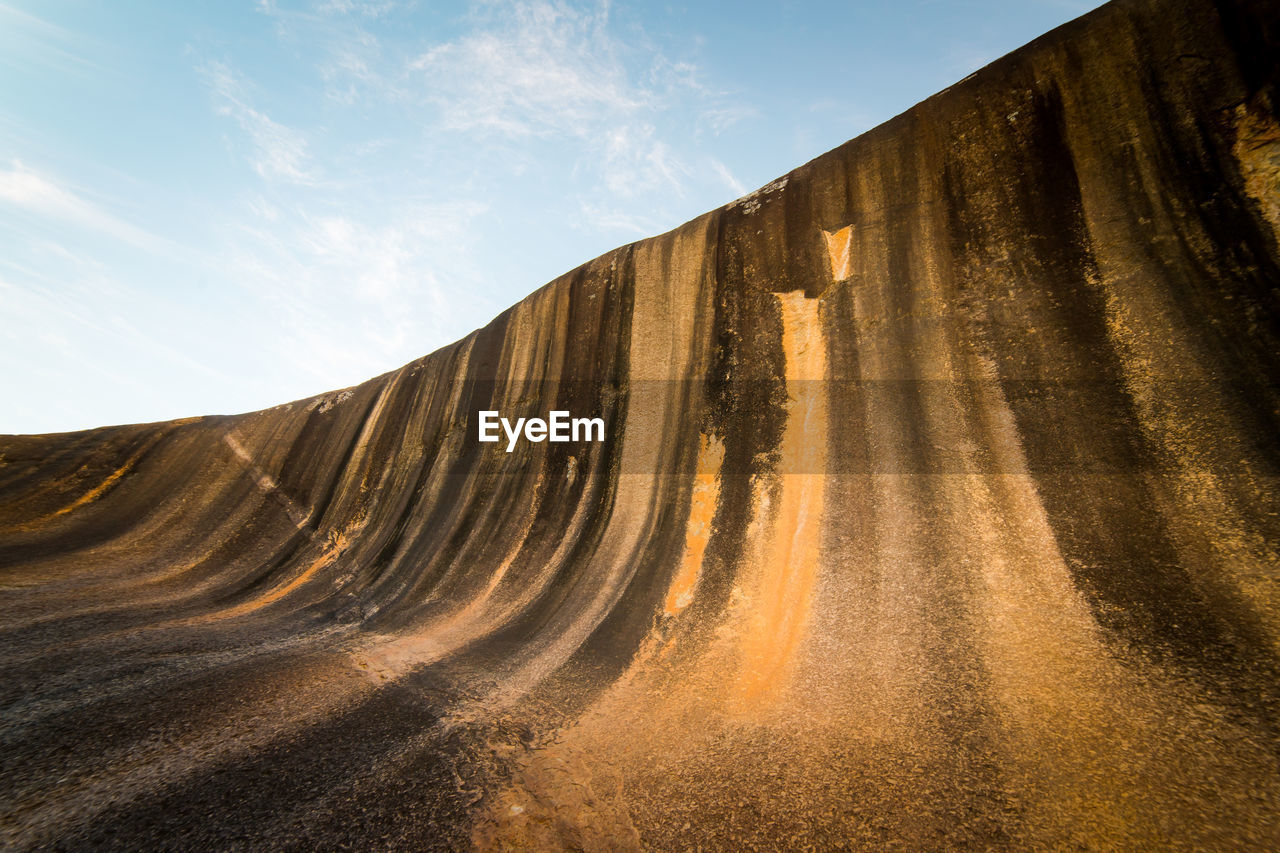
[{"x": 938, "y": 509}]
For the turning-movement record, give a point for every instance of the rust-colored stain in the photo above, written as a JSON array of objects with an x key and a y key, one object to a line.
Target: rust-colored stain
[
  {"x": 788, "y": 553},
  {"x": 839, "y": 247},
  {"x": 97, "y": 491},
  {"x": 702, "y": 508},
  {"x": 331, "y": 549}
]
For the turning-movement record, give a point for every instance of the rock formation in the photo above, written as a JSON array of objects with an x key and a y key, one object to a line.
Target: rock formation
[{"x": 937, "y": 508}]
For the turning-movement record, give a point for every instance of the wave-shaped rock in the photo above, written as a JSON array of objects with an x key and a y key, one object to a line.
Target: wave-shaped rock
[{"x": 937, "y": 507}]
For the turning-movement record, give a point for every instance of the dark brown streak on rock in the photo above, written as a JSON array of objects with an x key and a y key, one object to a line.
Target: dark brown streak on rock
[{"x": 596, "y": 485}]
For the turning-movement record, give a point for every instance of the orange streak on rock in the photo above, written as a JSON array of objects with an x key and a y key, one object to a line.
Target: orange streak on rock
[
  {"x": 838, "y": 251},
  {"x": 334, "y": 545},
  {"x": 96, "y": 492},
  {"x": 271, "y": 596},
  {"x": 702, "y": 508},
  {"x": 788, "y": 555}
]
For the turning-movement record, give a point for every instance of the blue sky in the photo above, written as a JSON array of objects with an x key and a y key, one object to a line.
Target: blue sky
[{"x": 213, "y": 207}]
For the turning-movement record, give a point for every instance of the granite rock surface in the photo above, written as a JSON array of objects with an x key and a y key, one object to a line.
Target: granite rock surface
[{"x": 937, "y": 509}]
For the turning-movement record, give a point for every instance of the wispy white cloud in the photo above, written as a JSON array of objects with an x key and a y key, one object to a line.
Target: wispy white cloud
[
  {"x": 532, "y": 68},
  {"x": 637, "y": 161},
  {"x": 349, "y": 72},
  {"x": 26, "y": 38},
  {"x": 354, "y": 297},
  {"x": 19, "y": 17},
  {"x": 358, "y": 287},
  {"x": 537, "y": 69},
  {"x": 25, "y": 188},
  {"x": 87, "y": 300},
  {"x": 614, "y": 219},
  {"x": 521, "y": 72},
  {"x": 725, "y": 175},
  {"x": 347, "y": 55},
  {"x": 278, "y": 151},
  {"x": 363, "y": 8},
  {"x": 676, "y": 75},
  {"x": 724, "y": 116}
]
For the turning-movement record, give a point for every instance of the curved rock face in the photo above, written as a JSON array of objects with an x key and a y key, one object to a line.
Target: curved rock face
[{"x": 936, "y": 507}]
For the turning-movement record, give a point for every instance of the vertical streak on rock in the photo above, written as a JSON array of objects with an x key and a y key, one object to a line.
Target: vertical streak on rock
[
  {"x": 392, "y": 656},
  {"x": 838, "y": 244},
  {"x": 702, "y": 507},
  {"x": 787, "y": 553},
  {"x": 1048, "y": 670},
  {"x": 1147, "y": 226}
]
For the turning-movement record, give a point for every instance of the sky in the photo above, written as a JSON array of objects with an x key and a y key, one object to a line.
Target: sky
[{"x": 213, "y": 206}]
